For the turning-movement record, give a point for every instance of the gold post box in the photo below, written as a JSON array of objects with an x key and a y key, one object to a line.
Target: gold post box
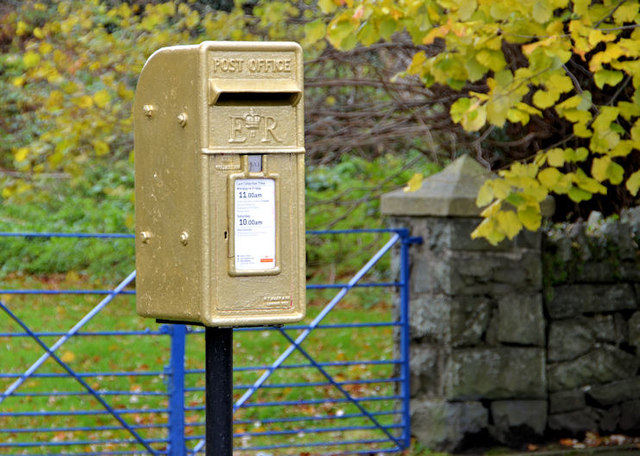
[{"x": 219, "y": 184}]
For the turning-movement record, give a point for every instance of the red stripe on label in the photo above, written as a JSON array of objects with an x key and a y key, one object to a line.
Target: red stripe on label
[{"x": 266, "y": 260}]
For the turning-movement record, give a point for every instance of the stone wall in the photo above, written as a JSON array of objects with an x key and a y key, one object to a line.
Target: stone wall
[
  {"x": 535, "y": 338},
  {"x": 592, "y": 278}
]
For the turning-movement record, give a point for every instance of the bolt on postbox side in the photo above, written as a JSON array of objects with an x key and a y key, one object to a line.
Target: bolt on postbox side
[{"x": 219, "y": 167}]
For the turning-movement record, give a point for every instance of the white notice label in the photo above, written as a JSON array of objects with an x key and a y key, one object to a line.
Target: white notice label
[{"x": 255, "y": 224}]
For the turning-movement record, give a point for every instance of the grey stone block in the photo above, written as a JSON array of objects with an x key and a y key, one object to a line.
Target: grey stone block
[
  {"x": 621, "y": 328},
  {"x": 604, "y": 329},
  {"x": 491, "y": 337},
  {"x": 620, "y": 237},
  {"x": 573, "y": 300},
  {"x": 471, "y": 273},
  {"x": 575, "y": 422},
  {"x": 497, "y": 373},
  {"x": 567, "y": 401},
  {"x": 615, "y": 392},
  {"x": 442, "y": 426},
  {"x": 529, "y": 240},
  {"x": 516, "y": 420},
  {"x": 521, "y": 320},
  {"x": 610, "y": 419},
  {"x": 427, "y": 367},
  {"x": 423, "y": 280},
  {"x": 630, "y": 416},
  {"x": 634, "y": 330},
  {"x": 469, "y": 320},
  {"x": 603, "y": 365},
  {"x": 597, "y": 272},
  {"x": 569, "y": 339},
  {"x": 430, "y": 318}
]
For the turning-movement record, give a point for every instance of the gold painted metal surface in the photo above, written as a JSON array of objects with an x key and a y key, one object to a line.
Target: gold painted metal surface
[{"x": 211, "y": 121}]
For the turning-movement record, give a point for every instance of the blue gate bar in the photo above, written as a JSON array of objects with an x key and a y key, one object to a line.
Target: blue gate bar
[
  {"x": 307, "y": 384},
  {"x": 64, "y": 292},
  {"x": 295, "y": 419},
  {"x": 93, "y": 453},
  {"x": 327, "y": 400},
  {"x": 176, "y": 390},
  {"x": 304, "y": 431},
  {"x": 69, "y": 235},
  {"x": 77, "y": 442},
  {"x": 80, "y": 428},
  {"x": 407, "y": 240},
  {"x": 85, "y": 412},
  {"x": 85, "y": 393},
  {"x": 145, "y": 332},
  {"x": 91, "y": 374}
]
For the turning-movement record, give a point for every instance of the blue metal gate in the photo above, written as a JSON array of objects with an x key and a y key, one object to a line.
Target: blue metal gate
[{"x": 322, "y": 387}]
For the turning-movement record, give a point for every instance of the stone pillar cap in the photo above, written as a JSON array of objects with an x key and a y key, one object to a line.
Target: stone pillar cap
[{"x": 450, "y": 193}]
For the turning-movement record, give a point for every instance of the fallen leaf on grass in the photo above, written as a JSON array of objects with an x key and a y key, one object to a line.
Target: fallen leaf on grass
[{"x": 68, "y": 357}]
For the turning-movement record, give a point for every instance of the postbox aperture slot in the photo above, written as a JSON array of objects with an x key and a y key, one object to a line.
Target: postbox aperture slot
[
  {"x": 284, "y": 92},
  {"x": 257, "y": 98}
]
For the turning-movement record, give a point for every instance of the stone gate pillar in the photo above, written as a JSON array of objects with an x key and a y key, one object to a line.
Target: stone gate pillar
[{"x": 476, "y": 318}]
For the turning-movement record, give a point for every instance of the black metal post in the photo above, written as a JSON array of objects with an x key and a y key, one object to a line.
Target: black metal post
[{"x": 219, "y": 389}]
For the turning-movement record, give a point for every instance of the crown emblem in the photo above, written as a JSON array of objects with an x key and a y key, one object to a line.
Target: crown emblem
[{"x": 252, "y": 121}]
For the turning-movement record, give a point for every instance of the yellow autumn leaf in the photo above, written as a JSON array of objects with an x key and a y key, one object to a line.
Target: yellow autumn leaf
[
  {"x": 607, "y": 77},
  {"x": 626, "y": 12},
  {"x": 555, "y": 157},
  {"x": 466, "y": 9},
  {"x": 528, "y": 49},
  {"x": 31, "y": 59},
  {"x": 315, "y": 30},
  {"x": 100, "y": 148},
  {"x": 545, "y": 98},
  {"x": 101, "y": 98},
  {"x": 587, "y": 183},
  {"x": 578, "y": 194},
  {"x": 469, "y": 113},
  {"x": 494, "y": 60},
  {"x": 327, "y": 6},
  {"x": 604, "y": 168},
  {"x": 530, "y": 217},
  {"x": 84, "y": 101},
  {"x": 414, "y": 183},
  {"x": 596, "y": 36},
  {"x": 68, "y": 357},
  {"x": 542, "y": 11},
  {"x": 22, "y": 28},
  {"x": 45, "y": 48},
  {"x": 21, "y": 154},
  {"x": 633, "y": 183},
  {"x": 487, "y": 229},
  {"x": 485, "y": 195},
  {"x": 492, "y": 210},
  {"x": 192, "y": 20},
  {"x": 509, "y": 223},
  {"x": 549, "y": 177}
]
